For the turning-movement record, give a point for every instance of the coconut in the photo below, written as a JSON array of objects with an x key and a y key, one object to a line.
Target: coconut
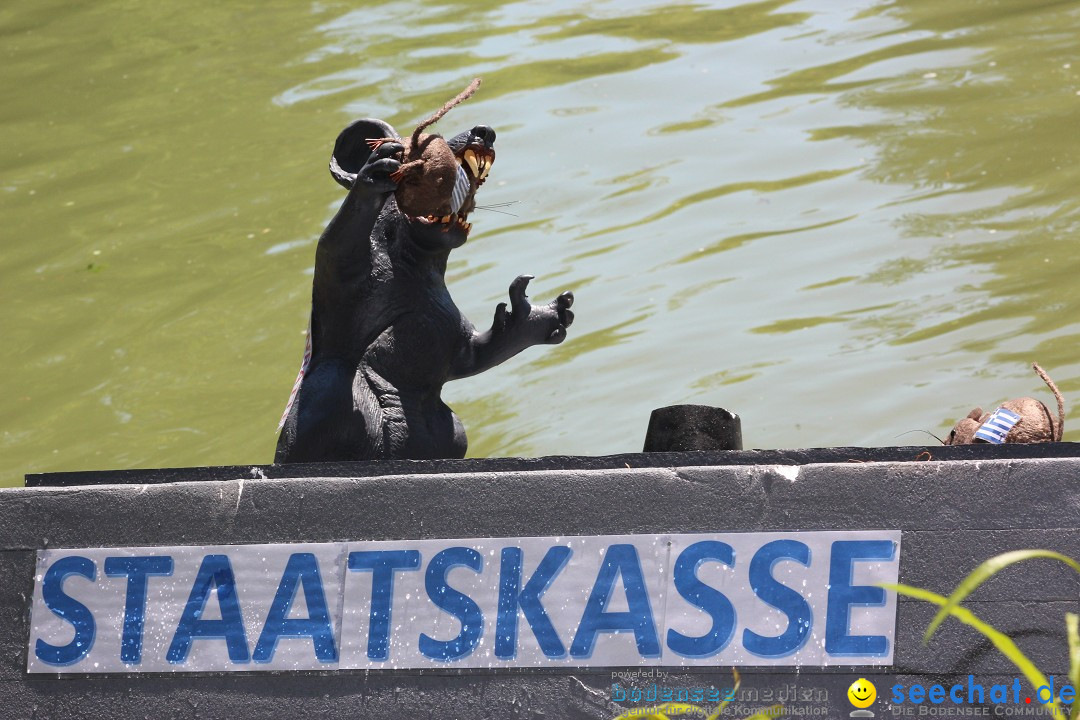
[
  {"x": 428, "y": 180},
  {"x": 428, "y": 167},
  {"x": 1021, "y": 420}
]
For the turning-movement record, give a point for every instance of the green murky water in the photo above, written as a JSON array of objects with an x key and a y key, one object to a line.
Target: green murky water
[{"x": 842, "y": 221}]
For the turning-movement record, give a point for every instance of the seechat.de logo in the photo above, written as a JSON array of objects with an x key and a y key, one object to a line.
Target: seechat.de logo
[{"x": 862, "y": 694}]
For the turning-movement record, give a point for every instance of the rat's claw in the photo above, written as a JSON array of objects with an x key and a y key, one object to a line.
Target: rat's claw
[
  {"x": 500, "y": 316},
  {"x": 385, "y": 147},
  {"x": 519, "y": 302},
  {"x": 562, "y": 307},
  {"x": 405, "y": 169}
]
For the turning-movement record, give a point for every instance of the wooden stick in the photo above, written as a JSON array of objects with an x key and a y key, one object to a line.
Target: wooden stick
[
  {"x": 461, "y": 97},
  {"x": 1060, "y": 401}
]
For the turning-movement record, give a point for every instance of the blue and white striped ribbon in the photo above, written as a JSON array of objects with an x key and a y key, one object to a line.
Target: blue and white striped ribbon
[
  {"x": 997, "y": 426},
  {"x": 461, "y": 190}
]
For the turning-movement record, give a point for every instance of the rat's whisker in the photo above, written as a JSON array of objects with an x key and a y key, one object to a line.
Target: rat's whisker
[
  {"x": 922, "y": 431},
  {"x": 491, "y": 209}
]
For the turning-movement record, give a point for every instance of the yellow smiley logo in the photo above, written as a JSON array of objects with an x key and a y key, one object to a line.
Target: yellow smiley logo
[{"x": 862, "y": 693}]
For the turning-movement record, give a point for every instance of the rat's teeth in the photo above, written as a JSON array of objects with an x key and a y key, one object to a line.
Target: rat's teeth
[
  {"x": 479, "y": 165},
  {"x": 473, "y": 163}
]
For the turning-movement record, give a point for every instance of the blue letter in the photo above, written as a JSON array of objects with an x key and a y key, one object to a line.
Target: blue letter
[
  {"x": 842, "y": 595},
  {"x": 138, "y": 570},
  {"x": 705, "y": 597},
  {"x": 620, "y": 559},
  {"x": 781, "y": 597},
  {"x": 1050, "y": 690},
  {"x": 302, "y": 567},
  {"x": 972, "y": 687},
  {"x": 214, "y": 571},
  {"x": 461, "y": 606},
  {"x": 67, "y": 608},
  {"x": 382, "y": 564},
  {"x": 512, "y": 595},
  {"x": 897, "y": 693}
]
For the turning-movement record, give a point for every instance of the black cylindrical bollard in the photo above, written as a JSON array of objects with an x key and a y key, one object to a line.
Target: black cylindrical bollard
[{"x": 693, "y": 427}]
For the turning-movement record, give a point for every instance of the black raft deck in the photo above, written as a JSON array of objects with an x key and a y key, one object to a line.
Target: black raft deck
[{"x": 954, "y": 507}]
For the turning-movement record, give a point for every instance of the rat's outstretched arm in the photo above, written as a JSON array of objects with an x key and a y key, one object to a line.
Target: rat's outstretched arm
[
  {"x": 345, "y": 240},
  {"x": 513, "y": 330},
  {"x": 343, "y": 257}
]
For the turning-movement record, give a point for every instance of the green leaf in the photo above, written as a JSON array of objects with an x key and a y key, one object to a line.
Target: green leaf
[
  {"x": 682, "y": 709},
  {"x": 1072, "y": 632},
  {"x": 983, "y": 573},
  {"x": 1000, "y": 640},
  {"x": 636, "y": 714},
  {"x": 661, "y": 712}
]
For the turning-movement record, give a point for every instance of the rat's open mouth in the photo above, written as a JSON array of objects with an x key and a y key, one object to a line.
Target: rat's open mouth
[{"x": 474, "y": 163}]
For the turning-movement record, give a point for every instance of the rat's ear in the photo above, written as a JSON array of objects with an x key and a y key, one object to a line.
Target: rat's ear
[
  {"x": 963, "y": 433},
  {"x": 351, "y": 150},
  {"x": 975, "y": 414}
]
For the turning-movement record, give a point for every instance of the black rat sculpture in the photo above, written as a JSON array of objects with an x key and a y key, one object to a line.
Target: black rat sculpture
[{"x": 385, "y": 334}]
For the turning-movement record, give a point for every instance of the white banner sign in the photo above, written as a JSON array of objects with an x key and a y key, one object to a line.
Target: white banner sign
[{"x": 803, "y": 598}]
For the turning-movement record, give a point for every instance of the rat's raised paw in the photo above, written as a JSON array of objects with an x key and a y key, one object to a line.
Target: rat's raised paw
[
  {"x": 381, "y": 165},
  {"x": 541, "y": 323}
]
